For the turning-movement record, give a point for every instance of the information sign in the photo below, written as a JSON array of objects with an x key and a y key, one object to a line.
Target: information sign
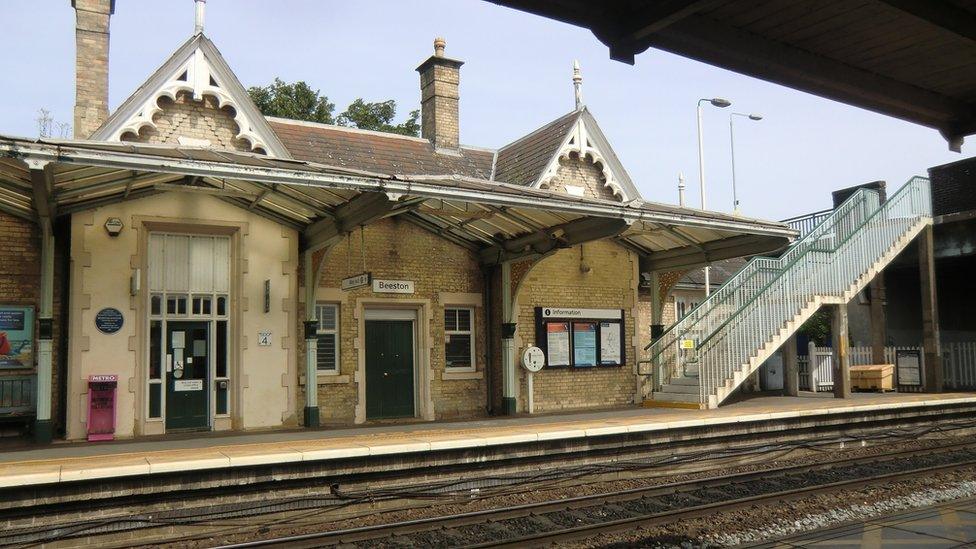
[
  {"x": 356, "y": 281},
  {"x": 610, "y": 343},
  {"x": 393, "y": 286},
  {"x": 584, "y": 344},
  {"x": 16, "y": 337},
  {"x": 909, "y": 364},
  {"x": 557, "y": 336}
]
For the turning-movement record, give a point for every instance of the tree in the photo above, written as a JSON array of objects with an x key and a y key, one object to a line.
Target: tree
[
  {"x": 817, "y": 328},
  {"x": 298, "y": 101},
  {"x": 379, "y": 117}
]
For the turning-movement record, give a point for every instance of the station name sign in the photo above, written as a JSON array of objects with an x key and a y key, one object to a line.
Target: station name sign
[
  {"x": 560, "y": 312},
  {"x": 393, "y": 286}
]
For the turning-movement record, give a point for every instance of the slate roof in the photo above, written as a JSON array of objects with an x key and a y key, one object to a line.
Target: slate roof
[
  {"x": 377, "y": 152},
  {"x": 522, "y": 161},
  {"x": 719, "y": 272}
]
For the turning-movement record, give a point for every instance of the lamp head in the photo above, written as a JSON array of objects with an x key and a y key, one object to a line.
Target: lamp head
[
  {"x": 719, "y": 102},
  {"x": 755, "y": 117}
]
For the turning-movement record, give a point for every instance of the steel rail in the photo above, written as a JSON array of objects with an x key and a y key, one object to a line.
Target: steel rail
[{"x": 382, "y": 531}]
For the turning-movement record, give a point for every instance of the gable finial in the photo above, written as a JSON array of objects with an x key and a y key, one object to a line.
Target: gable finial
[
  {"x": 578, "y": 84},
  {"x": 201, "y": 6}
]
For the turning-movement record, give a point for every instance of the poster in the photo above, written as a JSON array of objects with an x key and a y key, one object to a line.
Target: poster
[
  {"x": 16, "y": 337},
  {"x": 584, "y": 344},
  {"x": 557, "y": 342},
  {"x": 909, "y": 365},
  {"x": 609, "y": 343}
]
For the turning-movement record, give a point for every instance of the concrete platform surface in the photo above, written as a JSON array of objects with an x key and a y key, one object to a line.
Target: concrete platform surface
[{"x": 76, "y": 461}]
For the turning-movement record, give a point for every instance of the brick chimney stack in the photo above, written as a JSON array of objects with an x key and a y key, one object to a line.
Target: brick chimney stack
[
  {"x": 91, "y": 64},
  {"x": 439, "y": 80}
]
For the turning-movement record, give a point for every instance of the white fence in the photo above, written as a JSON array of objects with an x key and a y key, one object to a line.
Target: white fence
[{"x": 958, "y": 364}]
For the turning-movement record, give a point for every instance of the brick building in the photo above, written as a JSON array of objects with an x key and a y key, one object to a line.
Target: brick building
[{"x": 219, "y": 262}]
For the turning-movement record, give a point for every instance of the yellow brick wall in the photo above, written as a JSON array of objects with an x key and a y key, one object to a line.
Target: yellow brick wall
[
  {"x": 194, "y": 119},
  {"x": 558, "y": 281},
  {"x": 397, "y": 249}
]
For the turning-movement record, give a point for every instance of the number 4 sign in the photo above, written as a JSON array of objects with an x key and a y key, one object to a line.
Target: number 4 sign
[{"x": 264, "y": 338}]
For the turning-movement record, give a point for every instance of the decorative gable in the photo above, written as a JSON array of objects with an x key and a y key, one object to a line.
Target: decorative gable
[{"x": 195, "y": 73}]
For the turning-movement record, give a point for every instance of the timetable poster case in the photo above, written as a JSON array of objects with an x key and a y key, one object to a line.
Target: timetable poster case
[
  {"x": 580, "y": 338},
  {"x": 16, "y": 337}
]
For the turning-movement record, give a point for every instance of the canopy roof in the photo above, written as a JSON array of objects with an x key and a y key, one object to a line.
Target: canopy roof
[
  {"x": 42, "y": 179},
  {"x": 912, "y": 59}
]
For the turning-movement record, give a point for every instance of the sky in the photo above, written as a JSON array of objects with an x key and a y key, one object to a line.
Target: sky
[{"x": 517, "y": 76}]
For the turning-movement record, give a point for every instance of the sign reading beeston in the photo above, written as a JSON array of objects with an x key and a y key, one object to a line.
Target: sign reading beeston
[
  {"x": 559, "y": 312},
  {"x": 393, "y": 286}
]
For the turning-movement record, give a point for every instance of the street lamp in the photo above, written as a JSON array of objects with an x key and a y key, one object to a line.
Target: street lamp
[
  {"x": 755, "y": 117},
  {"x": 715, "y": 102}
]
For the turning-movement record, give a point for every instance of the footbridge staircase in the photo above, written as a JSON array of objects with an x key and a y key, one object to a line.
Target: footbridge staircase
[{"x": 706, "y": 355}]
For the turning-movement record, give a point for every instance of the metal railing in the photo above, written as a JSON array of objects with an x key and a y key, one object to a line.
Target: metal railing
[
  {"x": 738, "y": 319},
  {"x": 804, "y": 224}
]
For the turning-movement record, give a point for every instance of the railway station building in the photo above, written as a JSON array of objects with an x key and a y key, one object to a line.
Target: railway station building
[{"x": 215, "y": 269}]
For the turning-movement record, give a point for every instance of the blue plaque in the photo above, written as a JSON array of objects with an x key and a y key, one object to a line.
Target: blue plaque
[{"x": 109, "y": 320}]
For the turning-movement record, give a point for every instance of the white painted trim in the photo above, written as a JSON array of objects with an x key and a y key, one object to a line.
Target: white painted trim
[
  {"x": 578, "y": 141},
  {"x": 391, "y": 314}
]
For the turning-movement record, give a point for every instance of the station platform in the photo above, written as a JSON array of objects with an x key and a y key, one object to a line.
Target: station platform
[{"x": 66, "y": 463}]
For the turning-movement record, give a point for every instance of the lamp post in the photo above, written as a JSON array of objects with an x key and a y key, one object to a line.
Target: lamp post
[
  {"x": 755, "y": 117},
  {"x": 715, "y": 102}
]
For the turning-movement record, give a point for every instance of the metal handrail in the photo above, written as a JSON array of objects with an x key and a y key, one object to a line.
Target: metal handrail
[
  {"x": 751, "y": 307},
  {"x": 857, "y": 243}
]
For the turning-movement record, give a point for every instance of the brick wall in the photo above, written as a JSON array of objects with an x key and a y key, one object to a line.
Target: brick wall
[
  {"x": 439, "y": 102},
  {"x": 20, "y": 277},
  {"x": 397, "y": 249},
  {"x": 558, "y": 281},
  {"x": 195, "y": 119},
  {"x": 91, "y": 65},
  {"x": 582, "y": 173},
  {"x": 952, "y": 187}
]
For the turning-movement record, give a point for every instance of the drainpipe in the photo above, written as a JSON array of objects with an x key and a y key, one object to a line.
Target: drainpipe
[
  {"x": 489, "y": 342},
  {"x": 508, "y": 342},
  {"x": 311, "y": 349}
]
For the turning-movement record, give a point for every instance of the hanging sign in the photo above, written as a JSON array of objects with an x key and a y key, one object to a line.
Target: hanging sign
[
  {"x": 599, "y": 314},
  {"x": 393, "y": 286},
  {"x": 16, "y": 337},
  {"x": 356, "y": 281},
  {"x": 109, "y": 320}
]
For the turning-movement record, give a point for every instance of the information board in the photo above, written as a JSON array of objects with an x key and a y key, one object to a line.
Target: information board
[
  {"x": 909, "y": 364},
  {"x": 557, "y": 338},
  {"x": 16, "y": 337},
  {"x": 584, "y": 344},
  {"x": 610, "y": 343}
]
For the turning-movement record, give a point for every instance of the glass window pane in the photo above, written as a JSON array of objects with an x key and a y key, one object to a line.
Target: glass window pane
[
  {"x": 222, "y": 398},
  {"x": 220, "y": 348},
  {"x": 171, "y": 305},
  {"x": 326, "y": 352},
  {"x": 450, "y": 319},
  {"x": 155, "y": 400},
  {"x": 156, "y": 305},
  {"x": 222, "y": 305},
  {"x": 584, "y": 344},
  {"x": 155, "y": 349},
  {"x": 464, "y": 319},
  {"x": 196, "y": 305},
  {"x": 205, "y": 305},
  {"x": 181, "y": 306},
  {"x": 327, "y": 317},
  {"x": 457, "y": 351}
]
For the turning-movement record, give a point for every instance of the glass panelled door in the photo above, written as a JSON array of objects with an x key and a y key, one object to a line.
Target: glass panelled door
[
  {"x": 188, "y": 369},
  {"x": 188, "y": 381}
]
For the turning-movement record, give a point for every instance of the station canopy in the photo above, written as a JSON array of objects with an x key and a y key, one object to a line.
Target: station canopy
[
  {"x": 44, "y": 179},
  {"x": 911, "y": 59}
]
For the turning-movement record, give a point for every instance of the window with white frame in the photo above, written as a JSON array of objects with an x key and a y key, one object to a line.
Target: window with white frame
[
  {"x": 327, "y": 338},
  {"x": 459, "y": 338}
]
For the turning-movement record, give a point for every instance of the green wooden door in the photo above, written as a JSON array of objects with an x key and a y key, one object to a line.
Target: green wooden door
[
  {"x": 187, "y": 378},
  {"x": 389, "y": 369}
]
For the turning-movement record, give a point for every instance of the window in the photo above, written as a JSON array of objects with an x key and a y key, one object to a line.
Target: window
[
  {"x": 327, "y": 338},
  {"x": 459, "y": 338}
]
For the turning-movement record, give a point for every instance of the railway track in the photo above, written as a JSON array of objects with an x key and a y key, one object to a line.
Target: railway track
[{"x": 586, "y": 516}]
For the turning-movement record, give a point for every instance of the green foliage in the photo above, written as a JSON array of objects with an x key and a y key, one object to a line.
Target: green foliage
[
  {"x": 298, "y": 101},
  {"x": 379, "y": 117},
  {"x": 295, "y": 101},
  {"x": 817, "y": 328}
]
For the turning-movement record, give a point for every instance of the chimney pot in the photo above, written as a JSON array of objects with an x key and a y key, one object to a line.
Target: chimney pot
[{"x": 439, "y": 44}]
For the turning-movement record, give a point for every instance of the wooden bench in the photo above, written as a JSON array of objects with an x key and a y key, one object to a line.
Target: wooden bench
[{"x": 18, "y": 399}]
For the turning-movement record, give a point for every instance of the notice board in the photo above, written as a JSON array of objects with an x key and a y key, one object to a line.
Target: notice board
[
  {"x": 16, "y": 337},
  {"x": 581, "y": 338}
]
